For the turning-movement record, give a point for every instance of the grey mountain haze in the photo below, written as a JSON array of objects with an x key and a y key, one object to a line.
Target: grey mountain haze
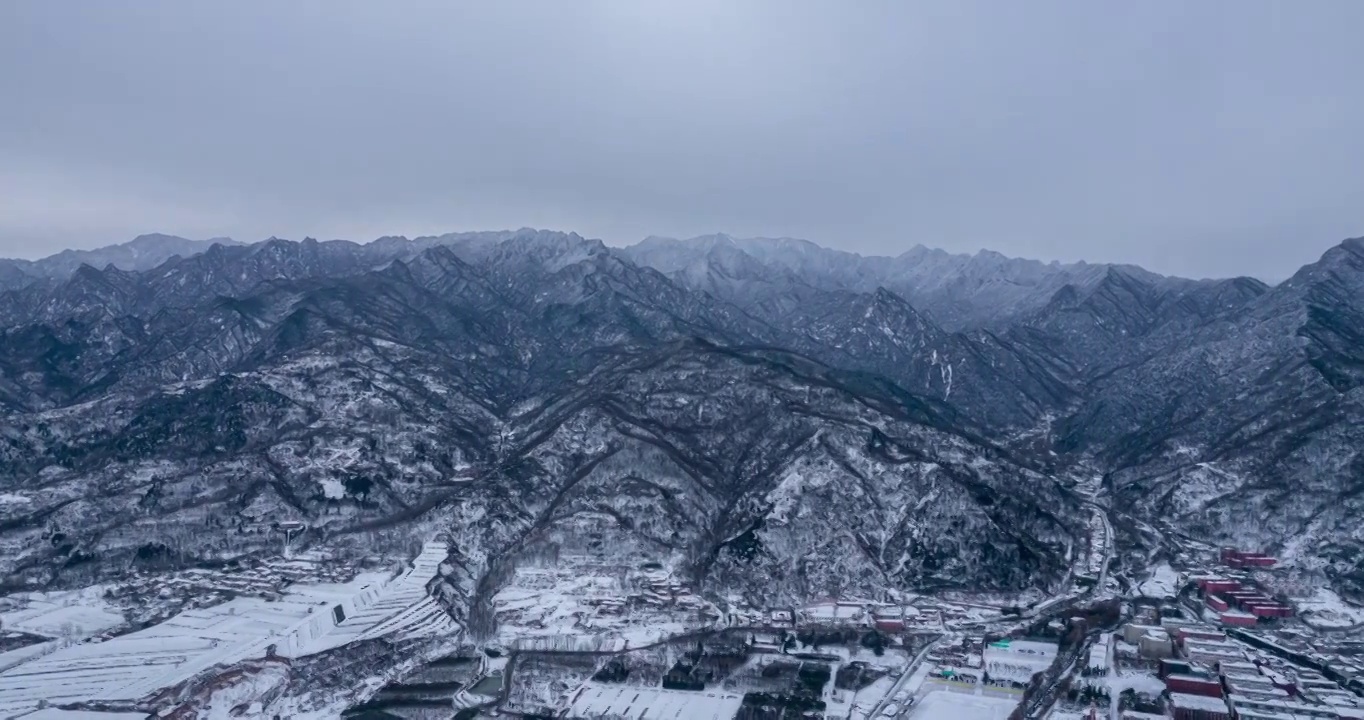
[{"x": 1215, "y": 140}]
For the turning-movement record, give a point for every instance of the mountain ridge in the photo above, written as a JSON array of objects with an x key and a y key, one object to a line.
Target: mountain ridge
[
  {"x": 334, "y": 375},
  {"x": 272, "y": 374},
  {"x": 141, "y": 253}
]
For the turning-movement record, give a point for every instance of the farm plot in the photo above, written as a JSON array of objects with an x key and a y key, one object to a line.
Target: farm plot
[
  {"x": 73, "y": 614},
  {"x": 309, "y": 619},
  {"x": 636, "y": 703},
  {"x": 55, "y": 714}
]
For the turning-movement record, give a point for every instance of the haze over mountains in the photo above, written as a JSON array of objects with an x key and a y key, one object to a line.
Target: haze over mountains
[{"x": 740, "y": 407}]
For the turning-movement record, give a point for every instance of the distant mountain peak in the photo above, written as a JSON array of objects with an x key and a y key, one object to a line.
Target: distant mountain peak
[
  {"x": 143, "y": 252},
  {"x": 88, "y": 271},
  {"x": 882, "y": 295},
  {"x": 959, "y": 291},
  {"x": 1348, "y": 256}
]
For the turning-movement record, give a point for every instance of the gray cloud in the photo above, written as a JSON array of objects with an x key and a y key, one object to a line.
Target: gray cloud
[{"x": 1207, "y": 138}]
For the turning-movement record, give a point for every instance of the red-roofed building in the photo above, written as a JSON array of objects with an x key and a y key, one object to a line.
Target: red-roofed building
[
  {"x": 1194, "y": 685},
  {"x": 1238, "y": 559},
  {"x": 889, "y": 619},
  {"x": 1273, "y": 610},
  {"x": 1218, "y": 585}
]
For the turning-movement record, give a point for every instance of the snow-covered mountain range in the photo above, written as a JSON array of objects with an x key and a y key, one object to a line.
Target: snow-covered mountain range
[{"x": 766, "y": 416}]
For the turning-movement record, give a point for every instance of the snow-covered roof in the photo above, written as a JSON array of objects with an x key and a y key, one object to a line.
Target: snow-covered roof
[
  {"x": 1186, "y": 701},
  {"x": 1200, "y": 644},
  {"x": 1189, "y": 678}
]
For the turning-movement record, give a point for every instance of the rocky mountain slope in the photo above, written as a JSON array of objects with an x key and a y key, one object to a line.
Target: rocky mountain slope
[
  {"x": 510, "y": 391},
  {"x": 1250, "y": 425},
  {"x": 833, "y": 306},
  {"x": 735, "y": 410}
]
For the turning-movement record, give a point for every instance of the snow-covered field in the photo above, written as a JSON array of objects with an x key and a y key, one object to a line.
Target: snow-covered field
[
  {"x": 74, "y": 614},
  {"x": 1327, "y": 609},
  {"x": 309, "y": 619},
  {"x": 55, "y": 714},
  {"x": 859, "y": 705},
  {"x": 948, "y": 705},
  {"x": 628, "y": 701},
  {"x": 866, "y": 699},
  {"x": 1164, "y": 583},
  {"x": 25, "y": 654}
]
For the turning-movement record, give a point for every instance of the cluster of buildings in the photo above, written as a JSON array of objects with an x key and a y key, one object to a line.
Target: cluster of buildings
[
  {"x": 833, "y": 614},
  {"x": 1233, "y": 657},
  {"x": 1184, "y": 706},
  {"x": 1219, "y": 679},
  {"x": 1171, "y": 636},
  {"x": 894, "y": 618},
  {"x": 1239, "y": 603},
  {"x": 1338, "y": 660},
  {"x": 1231, "y": 557}
]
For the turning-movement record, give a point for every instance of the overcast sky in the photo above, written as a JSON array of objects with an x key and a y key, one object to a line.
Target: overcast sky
[{"x": 1204, "y": 138}]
